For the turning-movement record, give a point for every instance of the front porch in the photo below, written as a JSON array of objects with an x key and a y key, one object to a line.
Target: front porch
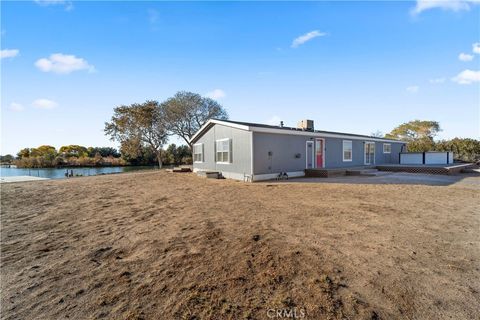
[
  {"x": 447, "y": 169},
  {"x": 335, "y": 172},
  {"x": 374, "y": 170}
]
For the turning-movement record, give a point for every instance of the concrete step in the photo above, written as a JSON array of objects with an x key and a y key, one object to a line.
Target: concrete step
[{"x": 210, "y": 174}]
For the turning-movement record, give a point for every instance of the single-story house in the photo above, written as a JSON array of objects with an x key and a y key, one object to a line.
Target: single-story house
[{"x": 261, "y": 152}]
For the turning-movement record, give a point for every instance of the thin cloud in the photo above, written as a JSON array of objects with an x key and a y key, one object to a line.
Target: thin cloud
[
  {"x": 306, "y": 37},
  {"x": 45, "y": 104},
  {"x": 465, "y": 57},
  {"x": 264, "y": 73},
  {"x": 412, "y": 89},
  {"x": 216, "y": 94},
  {"x": 68, "y": 4},
  {"x": 153, "y": 16},
  {"x": 63, "y": 64},
  {"x": 9, "y": 53},
  {"x": 467, "y": 77},
  {"x": 17, "y": 107},
  {"x": 452, "y": 5},
  {"x": 476, "y": 47},
  {"x": 437, "y": 80}
]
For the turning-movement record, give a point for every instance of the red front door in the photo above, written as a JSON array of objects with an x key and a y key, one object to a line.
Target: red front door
[{"x": 319, "y": 146}]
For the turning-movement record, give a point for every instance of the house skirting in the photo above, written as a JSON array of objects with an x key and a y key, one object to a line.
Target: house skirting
[
  {"x": 272, "y": 176},
  {"x": 258, "y": 177}
]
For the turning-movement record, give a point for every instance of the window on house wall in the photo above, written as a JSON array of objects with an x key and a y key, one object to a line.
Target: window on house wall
[
  {"x": 347, "y": 150},
  {"x": 198, "y": 152},
  {"x": 387, "y": 148},
  {"x": 223, "y": 150}
]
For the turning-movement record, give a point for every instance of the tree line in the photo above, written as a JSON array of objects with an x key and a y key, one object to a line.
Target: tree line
[{"x": 79, "y": 156}]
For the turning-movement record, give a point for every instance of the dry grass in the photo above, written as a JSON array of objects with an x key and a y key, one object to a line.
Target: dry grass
[{"x": 174, "y": 246}]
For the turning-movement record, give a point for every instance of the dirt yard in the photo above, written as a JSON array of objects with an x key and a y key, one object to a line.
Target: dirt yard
[{"x": 175, "y": 246}]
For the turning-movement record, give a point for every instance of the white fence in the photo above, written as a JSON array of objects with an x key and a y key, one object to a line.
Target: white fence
[
  {"x": 426, "y": 158},
  {"x": 411, "y": 158}
]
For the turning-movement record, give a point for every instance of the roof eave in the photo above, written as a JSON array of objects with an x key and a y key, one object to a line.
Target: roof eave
[{"x": 210, "y": 123}]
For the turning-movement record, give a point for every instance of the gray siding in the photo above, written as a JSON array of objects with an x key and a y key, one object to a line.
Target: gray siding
[
  {"x": 241, "y": 150},
  {"x": 334, "y": 153},
  {"x": 283, "y": 149},
  {"x": 334, "y": 149},
  {"x": 385, "y": 158}
]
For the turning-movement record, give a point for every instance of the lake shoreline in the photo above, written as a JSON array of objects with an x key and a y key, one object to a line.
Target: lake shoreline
[{"x": 71, "y": 172}]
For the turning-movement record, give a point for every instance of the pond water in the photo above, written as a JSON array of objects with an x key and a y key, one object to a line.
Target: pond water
[{"x": 59, "y": 173}]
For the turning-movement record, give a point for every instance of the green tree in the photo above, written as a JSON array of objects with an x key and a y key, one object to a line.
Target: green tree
[
  {"x": 464, "y": 149},
  {"x": 170, "y": 155},
  {"x": 43, "y": 156},
  {"x": 139, "y": 125},
  {"x": 103, "y": 151},
  {"x": 8, "y": 158},
  {"x": 45, "y": 151},
  {"x": 184, "y": 154},
  {"x": 73, "y": 150},
  {"x": 24, "y": 153},
  {"x": 186, "y": 112},
  {"x": 415, "y": 130},
  {"x": 418, "y": 134},
  {"x": 136, "y": 154},
  {"x": 177, "y": 155},
  {"x": 423, "y": 144}
]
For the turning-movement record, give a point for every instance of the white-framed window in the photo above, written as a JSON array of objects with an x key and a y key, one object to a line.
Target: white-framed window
[
  {"x": 198, "y": 152},
  {"x": 223, "y": 150},
  {"x": 387, "y": 148},
  {"x": 347, "y": 150}
]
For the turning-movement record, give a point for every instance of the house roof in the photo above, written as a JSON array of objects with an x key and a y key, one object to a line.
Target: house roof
[{"x": 259, "y": 127}]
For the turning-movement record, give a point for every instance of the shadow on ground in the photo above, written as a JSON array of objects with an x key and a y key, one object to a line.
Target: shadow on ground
[{"x": 469, "y": 180}]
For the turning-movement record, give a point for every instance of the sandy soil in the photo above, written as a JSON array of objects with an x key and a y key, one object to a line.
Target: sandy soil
[{"x": 175, "y": 246}]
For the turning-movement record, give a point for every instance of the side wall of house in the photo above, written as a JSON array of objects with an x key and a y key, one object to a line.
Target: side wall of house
[
  {"x": 241, "y": 152},
  {"x": 334, "y": 153},
  {"x": 388, "y": 158},
  {"x": 274, "y": 153}
]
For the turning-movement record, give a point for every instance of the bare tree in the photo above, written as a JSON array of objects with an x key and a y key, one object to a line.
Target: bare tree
[
  {"x": 186, "y": 112},
  {"x": 377, "y": 134},
  {"x": 142, "y": 124}
]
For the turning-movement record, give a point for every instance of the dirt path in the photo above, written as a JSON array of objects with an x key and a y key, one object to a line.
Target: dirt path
[{"x": 175, "y": 246}]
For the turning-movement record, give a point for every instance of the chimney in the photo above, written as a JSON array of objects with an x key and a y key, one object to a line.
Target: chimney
[{"x": 306, "y": 125}]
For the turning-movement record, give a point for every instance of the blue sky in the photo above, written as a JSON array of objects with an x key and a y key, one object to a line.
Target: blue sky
[{"x": 351, "y": 66}]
